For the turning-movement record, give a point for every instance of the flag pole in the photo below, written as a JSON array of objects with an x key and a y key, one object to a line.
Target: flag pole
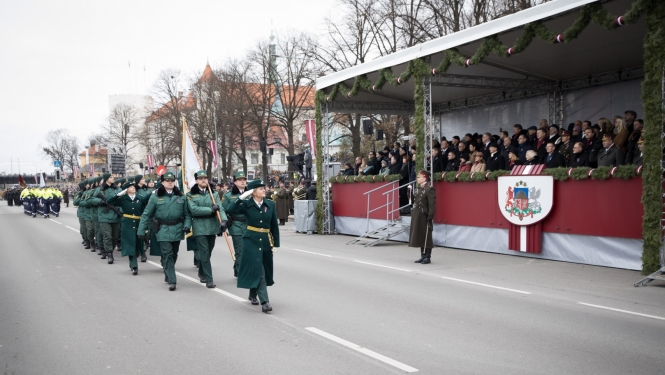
[{"x": 219, "y": 217}]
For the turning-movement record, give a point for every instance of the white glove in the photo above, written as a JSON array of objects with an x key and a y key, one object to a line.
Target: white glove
[
  {"x": 122, "y": 192},
  {"x": 246, "y": 194}
]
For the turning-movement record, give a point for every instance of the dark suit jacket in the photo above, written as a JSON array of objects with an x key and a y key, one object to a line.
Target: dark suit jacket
[
  {"x": 521, "y": 151},
  {"x": 579, "y": 160},
  {"x": 556, "y": 160},
  {"x": 637, "y": 159},
  {"x": 611, "y": 157},
  {"x": 453, "y": 165},
  {"x": 542, "y": 151},
  {"x": 437, "y": 165},
  {"x": 496, "y": 162}
]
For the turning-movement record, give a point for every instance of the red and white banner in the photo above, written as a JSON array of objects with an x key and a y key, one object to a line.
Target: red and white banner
[
  {"x": 36, "y": 178},
  {"x": 151, "y": 161},
  {"x": 310, "y": 131},
  {"x": 64, "y": 175},
  {"x": 92, "y": 170},
  {"x": 212, "y": 146},
  {"x": 76, "y": 172}
]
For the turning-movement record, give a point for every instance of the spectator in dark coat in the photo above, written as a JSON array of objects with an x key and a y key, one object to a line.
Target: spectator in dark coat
[
  {"x": 513, "y": 159},
  {"x": 517, "y": 130},
  {"x": 578, "y": 158},
  {"x": 395, "y": 165},
  {"x": 566, "y": 147},
  {"x": 311, "y": 192},
  {"x": 359, "y": 163},
  {"x": 637, "y": 158},
  {"x": 633, "y": 138},
  {"x": 404, "y": 175},
  {"x": 374, "y": 162},
  {"x": 531, "y": 158},
  {"x": 348, "y": 170},
  {"x": 462, "y": 150},
  {"x": 540, "y": 143},
  {"x": 453, "y": 162},
  {"x": 495, "y": 161},
  {"x": 437, "y": 160},
  {"x": 553, "y": 159},
  {"x": 531, "y": 134},
  {"x": 523, "y": 147},
  {"x": 610, "y": 155},
  {"x": 504, "y": 148}
]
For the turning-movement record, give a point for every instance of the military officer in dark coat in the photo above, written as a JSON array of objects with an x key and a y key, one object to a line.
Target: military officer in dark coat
[
  {"x": 205, "y": 225},
  {"x": 238, "y": 224},
  {"x": 553, "y": 159},
  {"x": 261, "y": 237},
  {"x": 608, "y": 156},
  {"x": 282, "y": 202},
  {"x": 422, "y": 214},
  {"x": 132, "y": 206},
  {"x": 168, "y": 211}
]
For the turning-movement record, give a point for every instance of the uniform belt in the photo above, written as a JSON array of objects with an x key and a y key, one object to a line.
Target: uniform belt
[
  {"x": 262, "y": 230},
  {"x": 132, "y": 217},
  {"x": 204, "y": 217},
  {"x": 237, "y": 218}
]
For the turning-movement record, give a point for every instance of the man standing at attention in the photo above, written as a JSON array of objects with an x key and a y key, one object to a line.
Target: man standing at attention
[{"x": 422, "y": 214}]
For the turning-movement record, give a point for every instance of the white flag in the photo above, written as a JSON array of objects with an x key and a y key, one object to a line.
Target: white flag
[{"x": 190, "y": 159}]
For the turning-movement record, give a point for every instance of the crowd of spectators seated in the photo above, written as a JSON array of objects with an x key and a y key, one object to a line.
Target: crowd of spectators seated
[{"x": 581, "y": 144}]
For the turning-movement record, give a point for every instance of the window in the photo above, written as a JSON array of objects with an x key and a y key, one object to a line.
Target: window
[
  {"x": 255, "y": 158},
  {"x": 283, "y": 158},
  {"x": 277, "y": 140},
  {"x": 269, "y": 158}
]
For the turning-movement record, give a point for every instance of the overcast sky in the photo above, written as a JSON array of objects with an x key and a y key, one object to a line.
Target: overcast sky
[{"x": 60, "y": 60}]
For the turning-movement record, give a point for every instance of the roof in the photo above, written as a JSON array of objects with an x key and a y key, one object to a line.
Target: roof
[
  {"x": 595, "y": 51},
  {"x": 91, "y": 151},
  {"x": 208, "y": 75}
]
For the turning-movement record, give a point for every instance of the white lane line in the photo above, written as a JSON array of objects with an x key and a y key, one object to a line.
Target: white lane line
[
  {"x": 623, "y": 311},
  {"x": 310, "y": 252},
  {"x": 55, "y": 221},
  {"x": 381, "y": 265},
  {"x": 362, "y": 350},
  {"x": 487, "y": 285},
  {"x": 195, "y": 281},
  {"x": 75, "y": 230}
]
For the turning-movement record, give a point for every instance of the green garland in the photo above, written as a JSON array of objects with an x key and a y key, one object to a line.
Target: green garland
[{"x": 652, "y": 94}]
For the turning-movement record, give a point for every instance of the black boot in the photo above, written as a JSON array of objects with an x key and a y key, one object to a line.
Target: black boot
[
  {"x": 422, "y": 256},
  {"x": 428, "y": 256},
  {"x": 143, "y": 257},
  {"x": 135, "y": 271},
  {"x": 87, "y": 244},
  {"x": 253, "y": 300},
  {"x": 110, "y": 256},
  {"x": 265, "y": 307},
  {"x": 101, "y": 251}
]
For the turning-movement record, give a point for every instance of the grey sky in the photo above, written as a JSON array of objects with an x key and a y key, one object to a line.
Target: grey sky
[{"x": 60, "y": 60}]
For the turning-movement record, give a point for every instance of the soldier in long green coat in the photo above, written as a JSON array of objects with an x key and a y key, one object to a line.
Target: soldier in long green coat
[
  {"x": 79, "y": 213},
  {"x": 171, "y": 217},
  {"x": 109, "y": 217},
  {"x": 205, "y": 225},
  {"x": 238, "y": 222},
  {"x": 132, "y": 208},
  {"x": 261, "y": 237},
  {"x": 422, "y": 214},
  {"x": 87, "y": 215},
  {"x": 282, "y": 203}
]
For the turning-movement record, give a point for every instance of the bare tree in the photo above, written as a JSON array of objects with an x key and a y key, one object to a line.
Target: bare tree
[
  {"x": 60, "y": 145},
  {"x": 124, "y": 130}
]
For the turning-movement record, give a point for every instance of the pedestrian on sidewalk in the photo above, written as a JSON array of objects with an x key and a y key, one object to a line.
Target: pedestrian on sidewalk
[
  {"x": 256, "y": 265},
  {"x": 422, "y": 214}
]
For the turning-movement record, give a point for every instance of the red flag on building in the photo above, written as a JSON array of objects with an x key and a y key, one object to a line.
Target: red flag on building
[
  {"x": 310, "y": 131},
  {"x": 76, "y": 172},
  {"x": 212, "y": 146},
  {"x": 92, "y": 170},
  {"x": 21, "y": 182},
  {"x": 151, "y": 161}
]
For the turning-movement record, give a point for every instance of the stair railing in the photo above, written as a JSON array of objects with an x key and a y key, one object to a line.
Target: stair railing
[
  {"x": 390, "y": 203},
  {"x": 369, "y": 195}
]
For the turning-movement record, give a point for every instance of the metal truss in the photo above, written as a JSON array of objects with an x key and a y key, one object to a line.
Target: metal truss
[
  {"x": 482, "y": 82},
  {"x": 429, "y": 123},
  {"x": 567, "y": 85},
  {"x": 660, "y": 274},
  {"x": 371, "y": 108},
  {"x": 555, "y": 106},
  {"x": 324, "y": 180}
]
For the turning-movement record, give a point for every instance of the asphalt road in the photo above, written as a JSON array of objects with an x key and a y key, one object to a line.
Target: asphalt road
[{"x": 337, "y": 310}]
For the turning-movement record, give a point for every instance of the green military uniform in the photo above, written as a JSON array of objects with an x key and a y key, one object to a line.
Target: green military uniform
[
  {"x": 87, "y": 215},
  {"x": 422, "y": 214},
  {"x": 132, "y": 208},
  {"x": 289, "y": 196},
  {"x": 205, "y": 227},
  {"x": 142, "y": 191},
  {"x": 109, "y": 220},
  {"x": 79, "y": 213},
  {"x": 238, "y": 222},
  {"x": 172, "y": 220},
  {"x": 256, "y": 265}
]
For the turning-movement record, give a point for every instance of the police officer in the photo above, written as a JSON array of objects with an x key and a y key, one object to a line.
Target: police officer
[
  {"x": 171, "y": 217},
  {"x": 205, "y": 225},
  {"x": 132, "y": 206},
  {"x": 109, "y": 217},
  {"x": 47, "y": 198},
  {"x": 255, "y": 270},
  {"x": 422, "y": 214},
  {"x": 238, "y": 224}
]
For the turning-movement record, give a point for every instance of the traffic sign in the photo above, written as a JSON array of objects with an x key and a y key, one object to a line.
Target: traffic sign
[
  {"x": 161, "y": 170},
  {"x": 57, "y": 164}
]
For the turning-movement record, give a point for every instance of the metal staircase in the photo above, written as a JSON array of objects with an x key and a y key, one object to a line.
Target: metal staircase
[{"x": 393, "y": 226}]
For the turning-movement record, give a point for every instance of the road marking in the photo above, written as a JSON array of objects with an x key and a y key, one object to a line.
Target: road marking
[
  {"x": 55, "y": 221},
  {"x": 381, "y": 265},
  {"x": 362, "y": 350},
  {"x": 487, "y": 285},
  {"x": 195, "y": 281},
  {"x": 623, "y": 311},
  {"x": 310, "y": 252},
  {"x": 75, "y": 230}
]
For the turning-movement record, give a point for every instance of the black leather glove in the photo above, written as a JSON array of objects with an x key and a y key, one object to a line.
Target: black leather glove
[
  {"x": 103, "y": 204},
  {"x": 214, "y": 208},
  {"x": 141, "y": 238},
  {"x": 223, "y": 226},
  {"x": 430, "y": 223},
  {"x": 185, "y": 230}
]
